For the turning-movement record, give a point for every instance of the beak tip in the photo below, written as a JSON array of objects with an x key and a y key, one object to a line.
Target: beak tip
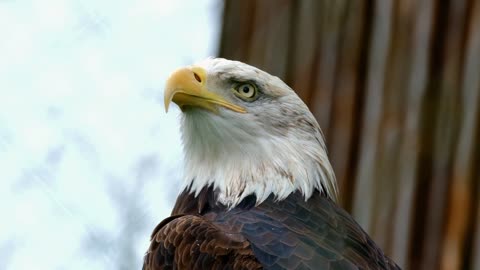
[
  {"x": 167, "y": 99},
  {"x": 166, "y": 106}
]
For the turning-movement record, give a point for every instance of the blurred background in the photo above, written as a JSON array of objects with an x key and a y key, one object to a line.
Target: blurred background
[{"x": 90, "y": 163}]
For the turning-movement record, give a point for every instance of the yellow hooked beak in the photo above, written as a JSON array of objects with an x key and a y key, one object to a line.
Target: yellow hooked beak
[{"x": 186, "y": 87}]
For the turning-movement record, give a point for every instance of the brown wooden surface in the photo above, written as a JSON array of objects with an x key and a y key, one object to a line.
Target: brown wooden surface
[{"x": 395, "y": 86}]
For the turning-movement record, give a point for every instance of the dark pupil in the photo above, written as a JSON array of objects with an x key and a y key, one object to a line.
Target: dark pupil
[{"x": 246, "y": 89}]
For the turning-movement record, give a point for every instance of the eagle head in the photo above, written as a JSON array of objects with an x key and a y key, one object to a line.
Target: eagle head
[{"x": 246, "y": 132}]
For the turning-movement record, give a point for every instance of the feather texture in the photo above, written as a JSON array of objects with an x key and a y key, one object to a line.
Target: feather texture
[{"x": 287, "y": 234}]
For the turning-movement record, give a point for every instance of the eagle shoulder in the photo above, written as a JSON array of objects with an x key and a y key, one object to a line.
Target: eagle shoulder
[{"x": 194, "y": 242}]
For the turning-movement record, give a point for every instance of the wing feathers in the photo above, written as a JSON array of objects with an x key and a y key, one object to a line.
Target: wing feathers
[{"x": 193, "y": 242}]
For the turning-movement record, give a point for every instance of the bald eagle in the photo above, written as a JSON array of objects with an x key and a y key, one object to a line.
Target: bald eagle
[{"x": 259, "y": 189}]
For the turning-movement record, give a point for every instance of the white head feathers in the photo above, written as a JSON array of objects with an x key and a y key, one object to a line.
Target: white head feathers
[{"x": 275, "y": 148}]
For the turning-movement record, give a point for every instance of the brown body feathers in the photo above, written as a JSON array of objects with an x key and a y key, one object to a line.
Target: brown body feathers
[{"x": 287, "y": 234}]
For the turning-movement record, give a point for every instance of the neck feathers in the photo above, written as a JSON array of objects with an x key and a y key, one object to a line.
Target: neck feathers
[{"x": 222, "y": 156}]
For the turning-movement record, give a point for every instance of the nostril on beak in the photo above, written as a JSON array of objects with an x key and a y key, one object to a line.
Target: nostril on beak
[{"x": 197, "y": 77}]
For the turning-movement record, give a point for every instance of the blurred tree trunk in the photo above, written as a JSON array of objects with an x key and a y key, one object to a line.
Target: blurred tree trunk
[{"x": 395, "y": 86}]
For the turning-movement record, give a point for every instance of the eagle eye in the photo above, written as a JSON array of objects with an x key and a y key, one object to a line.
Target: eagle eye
[{"x": 246, "y": 91}]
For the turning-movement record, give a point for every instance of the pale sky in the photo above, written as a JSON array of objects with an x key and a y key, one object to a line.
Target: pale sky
[{"x": 89, "y": 161}]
